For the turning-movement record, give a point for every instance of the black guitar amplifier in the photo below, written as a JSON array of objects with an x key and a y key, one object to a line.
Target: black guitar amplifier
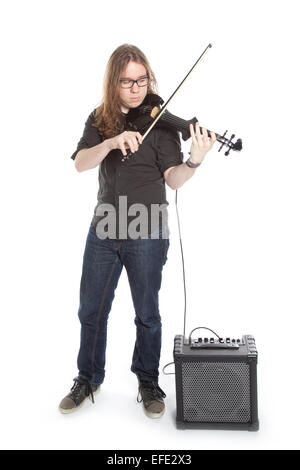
[{"x": 216, "y": 383}]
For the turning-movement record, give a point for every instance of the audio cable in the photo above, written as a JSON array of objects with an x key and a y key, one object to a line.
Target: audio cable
[{"x": 184, "y": 290}]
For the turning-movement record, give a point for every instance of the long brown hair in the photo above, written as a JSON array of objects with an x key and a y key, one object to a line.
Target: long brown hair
[{"x": 109, "y": 119}]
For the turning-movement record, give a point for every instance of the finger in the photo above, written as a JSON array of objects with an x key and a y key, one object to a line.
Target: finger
[
  {"x": 193, "y": 134},
  {"x": 205, "y": 136},
  {"x": 213, "y": 137},
  {"x": 204, "y": 133},
  {"x": 199, "y": 136},
  {"x": 133, "y": 144},
  {"x": 136, "y": 141},
  {"x": 140, "y": 137},
  {"x": 198, "y": 130},
  {"x": 125, "y": 144},
  {"x": 133, "y": 141},
  {"x": 122, "y": 148}
]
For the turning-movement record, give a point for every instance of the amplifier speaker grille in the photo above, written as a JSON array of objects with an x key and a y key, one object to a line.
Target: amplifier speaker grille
[{"x": 216, "y": 391}]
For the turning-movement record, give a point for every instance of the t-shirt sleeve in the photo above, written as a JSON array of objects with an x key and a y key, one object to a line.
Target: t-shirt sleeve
[
  {"x": 90, "y": 136},
  {"x": 168, "y": 149}
]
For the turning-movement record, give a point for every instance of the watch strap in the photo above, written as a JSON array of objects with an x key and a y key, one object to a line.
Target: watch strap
[{"x": 191, "y": 164}]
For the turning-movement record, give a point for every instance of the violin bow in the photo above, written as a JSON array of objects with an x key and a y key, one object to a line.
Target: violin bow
[
  {"x": 157, "y": 114},
  {"x": 174, "y": 93}
]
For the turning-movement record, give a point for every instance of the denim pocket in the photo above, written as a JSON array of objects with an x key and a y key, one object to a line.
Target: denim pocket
[{"x": 161, "y": 233}]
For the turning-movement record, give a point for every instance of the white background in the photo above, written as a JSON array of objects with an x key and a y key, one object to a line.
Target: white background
[{"x": 239, "y": 214}]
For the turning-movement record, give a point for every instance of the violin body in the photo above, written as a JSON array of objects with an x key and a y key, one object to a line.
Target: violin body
[{"x": 139, "y": 119}]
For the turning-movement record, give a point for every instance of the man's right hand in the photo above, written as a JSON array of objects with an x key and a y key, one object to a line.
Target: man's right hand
[{"x": 128, "y": 139}]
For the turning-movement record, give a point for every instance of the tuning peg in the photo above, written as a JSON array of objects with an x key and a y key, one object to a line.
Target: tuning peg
[
  {"x": 229, "y": 142},
  {"x": 223, "y": 142}
]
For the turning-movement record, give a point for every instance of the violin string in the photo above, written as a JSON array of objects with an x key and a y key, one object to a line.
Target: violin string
[
  {"x": 170, "y": 118},
  {"x": 176, "y": 122}
]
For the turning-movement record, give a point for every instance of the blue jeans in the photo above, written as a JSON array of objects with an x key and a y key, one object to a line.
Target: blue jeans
[{"x": 103, "y": 262}]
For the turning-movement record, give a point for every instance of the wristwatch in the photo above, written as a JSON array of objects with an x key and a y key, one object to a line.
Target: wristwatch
[{"x": 191, "y": 164}]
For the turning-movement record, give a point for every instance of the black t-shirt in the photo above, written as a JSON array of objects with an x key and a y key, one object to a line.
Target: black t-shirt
[{"x": 139, "y": 178}]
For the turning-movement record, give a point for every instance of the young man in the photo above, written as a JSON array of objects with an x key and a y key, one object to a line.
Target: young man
[{"x": 140, "y": 180}]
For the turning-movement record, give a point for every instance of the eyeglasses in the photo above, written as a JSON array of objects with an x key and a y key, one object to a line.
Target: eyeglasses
[{"x": 129, "y": 83}]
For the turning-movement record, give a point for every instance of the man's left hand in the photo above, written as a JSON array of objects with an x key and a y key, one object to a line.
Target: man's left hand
[{"x": 201, "y": 144}]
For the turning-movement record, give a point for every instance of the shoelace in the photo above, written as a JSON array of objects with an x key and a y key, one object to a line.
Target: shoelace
[
  {"x": 152, "y": 388},
  {"x": 76, "y": 389}
]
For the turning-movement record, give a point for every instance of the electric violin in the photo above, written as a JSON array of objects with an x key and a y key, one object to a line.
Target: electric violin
[{"x": 152, "y": 113}]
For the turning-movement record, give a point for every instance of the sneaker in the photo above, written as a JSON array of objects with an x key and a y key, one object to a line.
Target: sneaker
[
  {"x": 152, "y": 397},
  {"x": 80, "y": 391}
]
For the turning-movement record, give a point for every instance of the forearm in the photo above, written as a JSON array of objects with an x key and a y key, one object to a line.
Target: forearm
[
  {"x": 92, "y": 157},
  {"x": 179, "y": 175}
]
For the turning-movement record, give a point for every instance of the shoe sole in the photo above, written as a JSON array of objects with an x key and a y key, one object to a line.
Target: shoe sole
[
  {"x": 71, "y": 410},
  {"x": 153, "y": 415}
]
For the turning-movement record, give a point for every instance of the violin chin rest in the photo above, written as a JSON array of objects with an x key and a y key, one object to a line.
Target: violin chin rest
[{"x": 154, "y": 112}]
